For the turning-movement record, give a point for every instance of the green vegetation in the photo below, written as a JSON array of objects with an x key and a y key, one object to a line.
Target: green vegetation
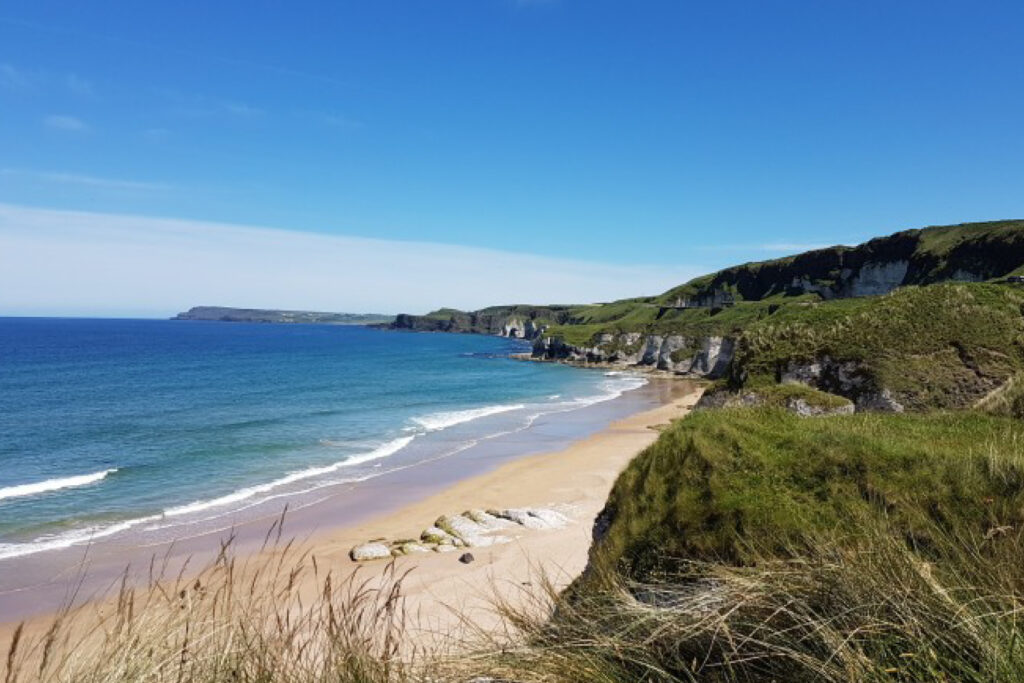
[
  {"x": 783, "y": 395},
  {"x": 744, "y": 545},
  {"x": 973, "y": 251},
  {"x": 734, "y": 485},
  {"x": 939, "y": 346},
  {"x": 869, "y": 612},
  {"x": 232, "y": 622},
  {"x": 753, "y": 545}
]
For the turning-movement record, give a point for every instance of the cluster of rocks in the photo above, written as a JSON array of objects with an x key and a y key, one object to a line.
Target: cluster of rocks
[
  {"x": 473, "y": 528},
  {"x": 843, "y": 378},
  {"x": 707, "y": 357}
]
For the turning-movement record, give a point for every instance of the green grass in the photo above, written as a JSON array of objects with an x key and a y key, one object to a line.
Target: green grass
[
  {"x": 870, "y": 612},
  {"x": 744, "y": 546},
  {"x": 941, "y": 240},
  {"x": 938, "y": 346},
  {"x": 720, "y": 483},
  {"x": 753, "y": 545},
  {"x": 763, "y": 289},
  {"x": 941, "y": 346},
  {"x": 783, "y": 395}
]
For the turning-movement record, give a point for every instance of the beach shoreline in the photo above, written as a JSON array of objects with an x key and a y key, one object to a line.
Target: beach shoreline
[{"x": 441, "y": 591}]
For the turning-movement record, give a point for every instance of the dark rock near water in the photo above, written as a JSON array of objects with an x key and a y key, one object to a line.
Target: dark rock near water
[{"x": 466, "y": 558}]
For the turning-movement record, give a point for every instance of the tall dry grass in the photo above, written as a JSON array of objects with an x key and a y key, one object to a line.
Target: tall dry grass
[
  {"x": 870, "y": 611},
  {"x": 283, "y": 620},
  {"x": 870, "y": 608}
]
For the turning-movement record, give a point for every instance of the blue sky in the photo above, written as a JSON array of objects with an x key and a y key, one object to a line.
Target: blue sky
[{"x": 663, "y": 135}]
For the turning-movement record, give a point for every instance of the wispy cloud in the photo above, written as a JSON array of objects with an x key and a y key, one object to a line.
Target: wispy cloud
[
  {"x": 241, "y": 109},
  {"x": 150, "y": 46},
  {"x": 156, "y": 134},
  {"x": 13, "y": 78},
  {"x": 66, "y": 123},
  {"x": 328, "y": 119},
  {"x": 86, "y": 180},
  {"x": 61, "y": 262},
  {"x": 340, "y": 121},
  {"x": 79, "y": 86},
  {"x": 195, "y": 105}
]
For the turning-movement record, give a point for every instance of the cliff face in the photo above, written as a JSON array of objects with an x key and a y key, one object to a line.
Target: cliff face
[
  {"x": 792, "y": 320},
  {"x": 970, "y": 252},
  {"x": 516, "y": 322},
  {"x": 707, "y": 356}
]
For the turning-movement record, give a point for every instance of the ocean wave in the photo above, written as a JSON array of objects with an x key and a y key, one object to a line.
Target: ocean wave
[
  {"x": 613, "y": 387},
  {"x": 69, "y": 538},
  {"x": 383, "y": 451},
  {"x": 438, "y": 421},
  {"x": 53, "y": 484},
  {"x": 91, "y": 533}
]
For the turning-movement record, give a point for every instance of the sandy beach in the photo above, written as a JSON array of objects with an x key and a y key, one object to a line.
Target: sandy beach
[
  {"x": 441, "y": 591},
  {"x": 443, "y": 594}
]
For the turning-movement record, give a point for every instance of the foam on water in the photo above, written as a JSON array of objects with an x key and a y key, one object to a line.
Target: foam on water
[
  {"x": 384, "y": 451},
  {"x": 68, "y": 539},
  {"x": 438, "y": 421},
  {"x": 53, "y": 484},
  {"x": 251, "y": 429}
]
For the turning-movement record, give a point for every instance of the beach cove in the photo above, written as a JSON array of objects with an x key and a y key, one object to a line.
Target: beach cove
[{"x": 445, "y": 598}]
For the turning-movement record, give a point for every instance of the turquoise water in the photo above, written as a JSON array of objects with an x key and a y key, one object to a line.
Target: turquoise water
[{"x": 111, "y": 425}]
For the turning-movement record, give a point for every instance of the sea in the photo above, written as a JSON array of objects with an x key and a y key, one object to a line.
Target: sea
[{"x": 148, "y": 428}]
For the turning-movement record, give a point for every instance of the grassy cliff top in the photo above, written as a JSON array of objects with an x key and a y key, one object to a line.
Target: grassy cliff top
[
  {"x": 937, "y": 346},
  {"x": 969, "y": 251},
  {"x": 989, "y": 249},
  {"x": 733, "y": 485}
]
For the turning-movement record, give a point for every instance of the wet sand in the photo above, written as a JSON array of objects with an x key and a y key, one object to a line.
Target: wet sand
[{"x": 440, "y": 591}]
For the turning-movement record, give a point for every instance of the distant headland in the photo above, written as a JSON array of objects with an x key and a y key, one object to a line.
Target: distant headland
[{"x": 260, "y": 315}]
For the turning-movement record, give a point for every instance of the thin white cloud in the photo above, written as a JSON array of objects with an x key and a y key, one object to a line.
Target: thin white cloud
[
  {"x": 74, "y": 263},
  {"x": 338, "y": 120},
  {"x": 194, "y": 105},
  {"x": 13, "y": 78},
  {"x": 17, "y": 78},
  {"x": 79, "y": 86},
  {"x": 241, "y": 109},
  {"x": 88, "y": 180},
  {"x": 66, "y": 123}
]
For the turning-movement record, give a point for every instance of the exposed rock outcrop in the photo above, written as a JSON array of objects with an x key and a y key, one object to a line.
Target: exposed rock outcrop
[
  {"x": 473, "y": 528},
  {"x": 699, "y": 357},
  {"x": 797, "y": 399},
  {"x": 515, "y": 322},
  {"x": 968, "y": 252},
  {"x": 844, "y": 378},
  {"x": 370, "y": 551}
]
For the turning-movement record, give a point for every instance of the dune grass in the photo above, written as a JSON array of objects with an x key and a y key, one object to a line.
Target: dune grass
[
  {"x": 753, "y": 545},
  {"x": 744, "y": 545},
  {"x": 230, "y": 622},
  {"x": 717, "y": 480},
  {"x": 830, "y": 613},
  {"x": 944, "y": 345}
]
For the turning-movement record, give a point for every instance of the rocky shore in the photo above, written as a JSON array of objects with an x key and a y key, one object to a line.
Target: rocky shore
[{"x": 472, "y": 529}]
